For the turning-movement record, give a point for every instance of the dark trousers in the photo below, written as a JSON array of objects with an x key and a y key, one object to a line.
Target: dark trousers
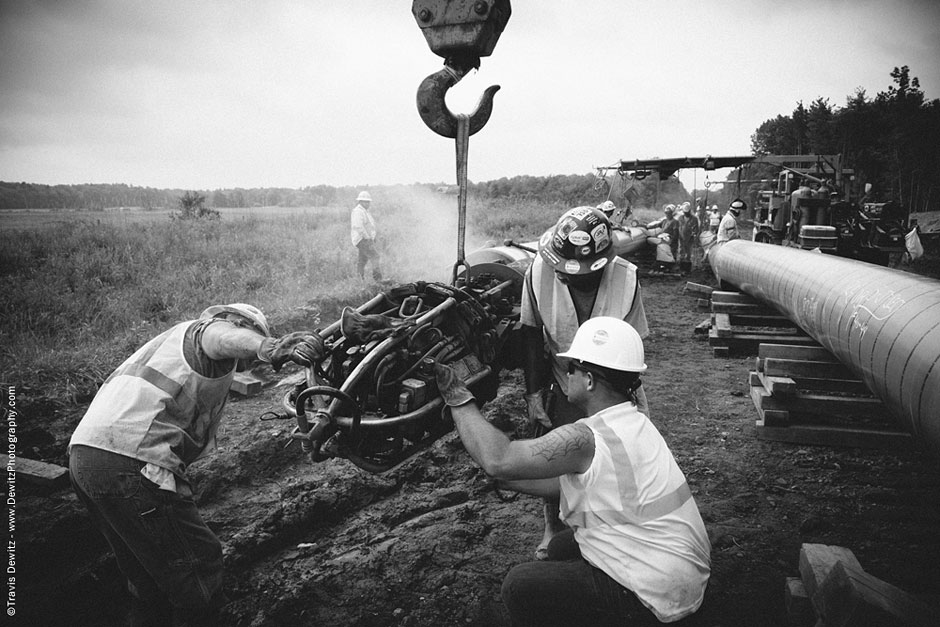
[
  {"x": 567, "y": 591},
  {"x": 172, "y": 560},
  {"x": 367, "y": 253}
]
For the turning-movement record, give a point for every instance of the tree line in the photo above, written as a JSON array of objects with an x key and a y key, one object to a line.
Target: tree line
[{"x": 891, "y": 140}]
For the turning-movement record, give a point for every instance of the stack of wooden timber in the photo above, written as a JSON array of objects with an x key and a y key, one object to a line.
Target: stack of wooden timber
[
  {"x": 804, "y": 395},
  {"x": 739, "y": 324},
  {"x": 834, "y": 591}
]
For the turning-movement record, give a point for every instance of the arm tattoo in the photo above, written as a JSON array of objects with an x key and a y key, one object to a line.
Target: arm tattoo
[{"x": 560, "y": 442}]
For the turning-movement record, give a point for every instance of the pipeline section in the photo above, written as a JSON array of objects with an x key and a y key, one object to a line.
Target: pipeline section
[{"x": 883, "y": 324}]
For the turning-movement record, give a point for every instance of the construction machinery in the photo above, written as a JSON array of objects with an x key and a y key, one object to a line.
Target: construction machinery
[{"x": 806, "y": 201}]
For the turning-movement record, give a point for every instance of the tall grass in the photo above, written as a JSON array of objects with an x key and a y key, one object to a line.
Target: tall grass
[{"x": 79, "y": 296}]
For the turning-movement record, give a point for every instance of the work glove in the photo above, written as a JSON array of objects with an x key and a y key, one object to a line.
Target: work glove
[
  {"x": 362, "y": 328},
  {"x": 301, "y": 347},
  {"x": 452, "y": 389},
  {"x": 535, "y": 410}
]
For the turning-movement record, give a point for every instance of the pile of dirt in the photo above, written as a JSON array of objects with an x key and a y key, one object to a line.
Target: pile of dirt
[{"x": 429, "y": 543}]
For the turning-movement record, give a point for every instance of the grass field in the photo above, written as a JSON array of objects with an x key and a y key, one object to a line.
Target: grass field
[{"x": 84, "y": 290}]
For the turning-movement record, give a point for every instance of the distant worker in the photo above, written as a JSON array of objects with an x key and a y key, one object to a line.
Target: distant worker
[
  {"x": 668, "y": 233},
  {"x": 575, "y": 276},
  {"x": 637, "y": 547},
  {"x": 613, "y": 213},
  {"x": 688, "y": 236},
  {"x": 362, "y": 228},
  {"x": 728, "y": 228},
  {"x": 714, "y": 219},
  {"x": 128, "y": 457}
]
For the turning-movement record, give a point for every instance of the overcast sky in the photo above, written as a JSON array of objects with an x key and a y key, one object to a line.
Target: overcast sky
[{"x": 289, "y": 93}]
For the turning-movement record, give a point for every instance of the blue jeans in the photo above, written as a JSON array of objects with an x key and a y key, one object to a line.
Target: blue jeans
[
  {"x": 168, "y": 554},
  {"x": 567, "y": 591}
]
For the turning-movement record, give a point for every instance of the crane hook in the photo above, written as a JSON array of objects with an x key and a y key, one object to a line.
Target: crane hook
[{"x": 433, "y": 110}]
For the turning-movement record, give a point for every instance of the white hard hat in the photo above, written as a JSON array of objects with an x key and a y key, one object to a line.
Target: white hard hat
[
  {"x": 608, "y": 207},
  {"x": 249, "y": 312},
  {"x": 608, "y": 342},
  {"x": 364, "y": 196}
]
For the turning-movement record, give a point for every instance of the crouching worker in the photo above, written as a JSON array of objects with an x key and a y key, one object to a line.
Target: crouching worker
[
  {"x": 153, "y": 416},
  {"x": 636, "y": 544}
]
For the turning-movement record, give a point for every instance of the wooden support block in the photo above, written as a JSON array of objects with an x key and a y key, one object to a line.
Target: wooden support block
[
  {"x": 721, "y": 296},
  {"x": 750, "y": 320},
  {"x": 818, "y": 404},
  {"x": 703, "y": 303},
  {"x": 850, "y": 596},
  {"x": 41, "y": 474},
  {"x": 805, "y": 353},
  {"x": 720, "y": 351},
  {"x": 800, "y": 611},
  {"x": 702, "y": 327},
  {"x": 742, "y": 308},
  {"x": 835, "y": 436},
  {"x": 777, "y": 386},
  {"x": 723, "y": 325},
  {"x": 246, "y": 385},
  {"x": 798, "y": 368},
  {"x": 817, "y": 560},
  {"x": 768, "y": 417},
  {"x": 695, "y": 288}
]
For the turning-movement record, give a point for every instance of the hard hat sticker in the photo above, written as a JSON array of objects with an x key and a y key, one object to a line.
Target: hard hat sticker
[
  {"x": 601, "y": 237},
  {"x": 600, "y": 337},
  {"x": 579, "y": 238},
  {"x": 586, "y": 251},
  {"x": 600, "y": 263},
  {"x": 572, "y": 266}
]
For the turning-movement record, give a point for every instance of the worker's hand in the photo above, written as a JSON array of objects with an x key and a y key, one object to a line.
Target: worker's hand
[
  {"x": 301, "y": 347},
  {"x": 452, "y": 389},
  {"x": 535, "y": 411}
]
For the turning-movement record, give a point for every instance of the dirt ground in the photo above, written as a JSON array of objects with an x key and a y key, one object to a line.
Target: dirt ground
[{"x": 429, "y": 543}]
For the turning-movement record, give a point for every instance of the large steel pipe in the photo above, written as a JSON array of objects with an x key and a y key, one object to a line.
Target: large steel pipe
[{"x": 883, "y": 324}]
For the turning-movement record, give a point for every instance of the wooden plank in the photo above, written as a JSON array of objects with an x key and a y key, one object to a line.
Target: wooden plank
[
  {"x": 799, "y": 607},
  {"x": 750, "y": 320},
  {"x": 742, "y": 308},
  {"x": 817, "y": 560},
  {"x": 850, "y": 596},
  {"x": 703, "y": 303},
  {"x": 702, "y": 327},
  {"x": 807, "y": 353},
  {"x": 846, "y": 386},
  {"x": 720, "y": 351},
  {"x": 695, "y": 288},
  {"x": 41, "y": 474},
  {"x": 752, "y": 341},
  {"x": 722, "y": 325},
  {"x": 722, "y": 296},
  {"x": 246, "y": 385},
  {"x": 836, "y": 436},
  {"x": 819, "y": 404},
  {"x": 777, "y": 386},
  {"x": 768, "y": 417},
  {"x": 797, "y": 368}
]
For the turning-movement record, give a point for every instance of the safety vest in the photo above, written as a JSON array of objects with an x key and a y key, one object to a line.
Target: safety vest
[
  {"x": 156, "y": 408},
  {"x": 553, "y": 307},
  {"x": 634, "y": 517}
]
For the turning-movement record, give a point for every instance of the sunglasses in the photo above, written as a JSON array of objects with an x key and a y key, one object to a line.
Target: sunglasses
[{"x": 577, "y": 364}]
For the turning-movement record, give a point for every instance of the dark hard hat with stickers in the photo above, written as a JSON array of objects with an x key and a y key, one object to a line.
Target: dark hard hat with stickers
[{"x": 579, "y": 243}]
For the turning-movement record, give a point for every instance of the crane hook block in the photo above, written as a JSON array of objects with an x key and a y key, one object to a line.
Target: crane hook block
[{"x": 462, "y": 31}]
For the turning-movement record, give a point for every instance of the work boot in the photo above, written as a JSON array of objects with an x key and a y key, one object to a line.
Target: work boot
[{"x": 452, "y": 389}]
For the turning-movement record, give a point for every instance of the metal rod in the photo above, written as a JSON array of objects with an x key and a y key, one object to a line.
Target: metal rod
[{"x": 882, "y": 324}]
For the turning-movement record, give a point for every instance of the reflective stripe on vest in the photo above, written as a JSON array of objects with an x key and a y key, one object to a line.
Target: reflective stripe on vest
[
  {"x": 631, "y": 511},
  {"x": 154, "y": 407}
]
